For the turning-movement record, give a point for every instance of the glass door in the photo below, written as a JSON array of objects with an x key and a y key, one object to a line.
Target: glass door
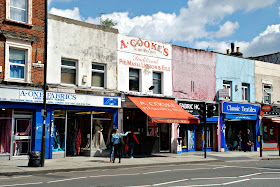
[{"x": 22, "y": 136}]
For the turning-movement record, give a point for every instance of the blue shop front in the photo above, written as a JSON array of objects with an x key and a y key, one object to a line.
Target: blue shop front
[
  {"x": 191, "y": 134},
  {"x": 76, "y": 124},
  {"x": 236, "y": 120}
]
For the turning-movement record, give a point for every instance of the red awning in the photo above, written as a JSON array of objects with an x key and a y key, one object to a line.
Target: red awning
[{"x": 163, "y": 110}]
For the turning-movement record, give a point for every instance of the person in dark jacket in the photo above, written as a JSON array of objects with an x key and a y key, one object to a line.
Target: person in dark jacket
[{"x": 131, "y": 138}]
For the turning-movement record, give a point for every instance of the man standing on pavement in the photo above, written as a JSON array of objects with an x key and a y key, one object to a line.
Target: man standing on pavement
[{"x": 117, "y": 143}]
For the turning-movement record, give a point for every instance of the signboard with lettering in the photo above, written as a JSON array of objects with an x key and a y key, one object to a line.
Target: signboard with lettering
[
  {"x": 193, "y": 107},
  {"x": 240, "y": 108},
  {"x": 224, "y": 93},
  {"x": 36, "y": 96}
]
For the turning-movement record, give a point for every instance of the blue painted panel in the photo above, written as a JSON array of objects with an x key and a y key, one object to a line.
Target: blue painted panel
[
  {"x": 116, "y": 120},
  {"x": 240, "y": 108},
  {"x": 222, "y": 123},
  {"x": 110, "y": 101},
  {"x": 242, "y": 117}
]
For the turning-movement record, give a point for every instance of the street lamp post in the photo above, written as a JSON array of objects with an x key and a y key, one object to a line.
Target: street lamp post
[{"x": 44, "y": 111}]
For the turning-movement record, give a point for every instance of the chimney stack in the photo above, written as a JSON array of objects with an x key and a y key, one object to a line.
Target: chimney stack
[
  {"x": 232, "y": 47},
  {"x": 227, "y": 51},
  {"x": 237, "y": 49}
]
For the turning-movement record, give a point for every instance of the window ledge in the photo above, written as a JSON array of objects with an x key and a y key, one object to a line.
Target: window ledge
[{"x": 16, "y": 23}]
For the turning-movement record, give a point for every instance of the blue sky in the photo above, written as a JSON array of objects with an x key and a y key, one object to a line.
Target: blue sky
[{"x": 253, "y": 25}]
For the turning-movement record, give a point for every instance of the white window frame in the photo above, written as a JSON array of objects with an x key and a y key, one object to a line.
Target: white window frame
[
  {"x": 99, "y": 71},
  {"x": 69, "y": 67},
  {"x": 227, "y": 85},
  {"x": 22, "y": 45},
  {"x": 28, "y": 12},
  {"x": 244, "y": 87},
  {"x": 264, "y": 92},
  {"x": 161, "y": 81}
]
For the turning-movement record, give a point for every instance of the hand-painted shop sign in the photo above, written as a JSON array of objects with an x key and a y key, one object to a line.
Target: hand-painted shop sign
[
  {"x": 36, "y": 96},
  {"x": 241, "y": 117},
  {"x": 240, "y": 108},
  {"x": 144, "y": 47},
  {"x": 266, "y": 108},
  {"x": 193, "y": 107}
]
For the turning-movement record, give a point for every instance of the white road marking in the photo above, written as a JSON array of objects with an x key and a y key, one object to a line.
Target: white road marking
[
  {"x": 170, "y": 182},
  {"x": 196, "y": 185},
  {"x": 22, "y": 176},
  {"x": 253, "y": 174},
  {"x": 156, "y": 172},
  {"x": 96, "y": 176},
  {"x": 271, "y": 172},
  {"x": 21, "y": 184},
  {"x": 233, "y": 182},
  {"x": 213, "y": 178},
  {"x": 67, "y": 179},
  {"x": 265, "y": 178}
]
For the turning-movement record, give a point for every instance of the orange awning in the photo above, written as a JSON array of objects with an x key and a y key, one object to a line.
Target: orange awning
[{"x": 163, "y": 110}]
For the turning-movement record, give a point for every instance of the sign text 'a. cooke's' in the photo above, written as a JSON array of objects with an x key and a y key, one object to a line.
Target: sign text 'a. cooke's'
[{"x": 150, "y": 46}]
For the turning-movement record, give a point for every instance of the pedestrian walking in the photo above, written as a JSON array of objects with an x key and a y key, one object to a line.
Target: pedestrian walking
[
  {"x": 239, "y": 136},
  {"x": 131, "y": 138},
  {"x": 111, "y": 146},
  {"x": 116, "y": 136}
]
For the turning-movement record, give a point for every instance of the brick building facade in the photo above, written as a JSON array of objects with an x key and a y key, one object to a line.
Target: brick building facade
[{"x": 22, "y": 41}]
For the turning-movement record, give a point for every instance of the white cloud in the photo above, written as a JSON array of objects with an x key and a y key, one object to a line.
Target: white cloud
[
  {"x": 266, "y": 43},
  {"x": 68, "y": 13},
  {"x": 227, "y": 29}
]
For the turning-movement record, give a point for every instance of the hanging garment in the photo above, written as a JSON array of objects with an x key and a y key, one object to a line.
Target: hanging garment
[{"x": 98, "y": 140}]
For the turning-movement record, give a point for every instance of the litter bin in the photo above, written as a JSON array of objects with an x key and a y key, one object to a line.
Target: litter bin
[{"x": 34, "y": 159}]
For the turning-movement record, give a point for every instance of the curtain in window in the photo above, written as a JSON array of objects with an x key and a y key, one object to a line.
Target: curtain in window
[
  {"x": 18, "y": 10},
  {"x": 17, "y": 63},
  {"x": 5, "y": 131}
]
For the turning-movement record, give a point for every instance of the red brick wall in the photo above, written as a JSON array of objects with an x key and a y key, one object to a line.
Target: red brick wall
[{"x": 36, "y": 31}]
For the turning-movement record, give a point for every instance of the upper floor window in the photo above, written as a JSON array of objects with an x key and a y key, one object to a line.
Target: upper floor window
[
  {"x": 134, "y": 80},
  {"x": 68, "y": 71},
  {"x": 17, "y": 63},
  {"x": 98, "y": 75},
  {"x": 18, "y": 57},
  {"x": 245, "y": 92},
  {"x": 267, "y": 93},
  {"x": 18, "y": 10},
  {"x": 227, "y": 85},
  {"x": 157, "y": 83}
]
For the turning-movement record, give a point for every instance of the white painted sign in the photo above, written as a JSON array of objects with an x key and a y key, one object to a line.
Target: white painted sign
[{"x": 36, "y": 96}]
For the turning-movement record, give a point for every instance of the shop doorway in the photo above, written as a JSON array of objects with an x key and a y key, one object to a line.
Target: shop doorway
[
  {"x": 270, "y": 133},
  {"x": 198, "y": 138},
  {"x": 22, "y": 135},
  {"x": 164, "y": 137}
]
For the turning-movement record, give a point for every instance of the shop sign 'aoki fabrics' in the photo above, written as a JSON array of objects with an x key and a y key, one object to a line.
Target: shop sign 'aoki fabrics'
[{"x": 163, "y": 110}]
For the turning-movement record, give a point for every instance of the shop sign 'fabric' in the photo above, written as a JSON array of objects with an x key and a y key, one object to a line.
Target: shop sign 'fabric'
[{"x": 163, "y": 110}]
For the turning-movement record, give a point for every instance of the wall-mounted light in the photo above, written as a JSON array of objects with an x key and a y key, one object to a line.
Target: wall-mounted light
[{"x": 151, "y": 87}]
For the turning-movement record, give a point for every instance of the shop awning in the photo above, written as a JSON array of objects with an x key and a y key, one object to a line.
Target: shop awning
[{"x": 163, "y": 110}]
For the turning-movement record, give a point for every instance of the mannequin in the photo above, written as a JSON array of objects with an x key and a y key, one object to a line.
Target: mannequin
[{"x": 98, "y": 140}]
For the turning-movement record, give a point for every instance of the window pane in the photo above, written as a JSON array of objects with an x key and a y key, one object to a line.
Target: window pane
[
  {"x": 133, "y": 84},
  {"x": 97, "y": 79},
  {"x": 97, "y": 67},
  {"x": 68, "y": 76},
  {"x": 19, "y": 3},
  {"x": 17, "y": 56},
  {"x": 17, "y": 72},
  {"x": 156, "y": 76},
  {"x": 68, "y": 63},
  {"x": 133, "y": 72}
]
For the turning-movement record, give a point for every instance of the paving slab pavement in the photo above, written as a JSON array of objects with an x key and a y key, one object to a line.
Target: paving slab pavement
[{"x": 19, "y": 166}]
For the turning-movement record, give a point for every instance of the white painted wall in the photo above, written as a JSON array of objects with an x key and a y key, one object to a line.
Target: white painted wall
[
  {"x": 147, "y": 56},
  {"x": 86, "y": 43},
  {"x": 267, "y": 72}
]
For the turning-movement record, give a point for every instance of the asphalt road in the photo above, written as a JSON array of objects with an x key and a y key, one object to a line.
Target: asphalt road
[{"x": 235, "y": 173}]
